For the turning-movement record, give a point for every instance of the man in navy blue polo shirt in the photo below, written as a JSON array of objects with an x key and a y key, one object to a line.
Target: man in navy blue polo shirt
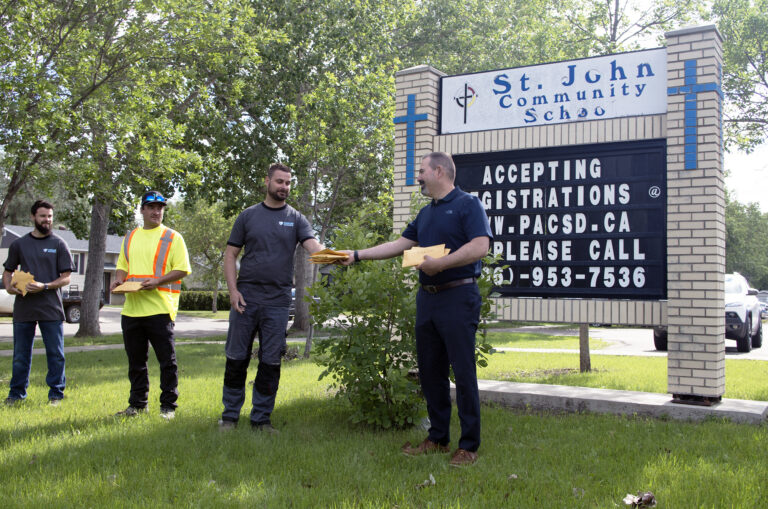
[{"x": 447, "y": 305}]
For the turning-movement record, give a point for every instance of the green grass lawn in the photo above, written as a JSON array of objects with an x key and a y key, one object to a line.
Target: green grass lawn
[
  {"x": 78, "y": 455},
  {"x": 107, "y": 339},
  {"x": 533, "y": 340},
  {"x": 218, "y": 315},
  {"x": 744, "y": 379}
]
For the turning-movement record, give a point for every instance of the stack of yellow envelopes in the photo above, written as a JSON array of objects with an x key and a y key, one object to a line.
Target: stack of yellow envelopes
[
  {"x": 415, "y": 255},
  {"x": 327, "y": 256}
]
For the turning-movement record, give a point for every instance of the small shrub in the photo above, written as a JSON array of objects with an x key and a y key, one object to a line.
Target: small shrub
[
  {"x": 196, "y": 300},
  {"x": 370, "y": 354}
]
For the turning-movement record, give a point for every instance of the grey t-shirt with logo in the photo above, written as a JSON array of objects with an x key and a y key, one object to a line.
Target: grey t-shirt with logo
[
  {"x": 269, "y": 238},
  {"x": 45, "y": 258}
]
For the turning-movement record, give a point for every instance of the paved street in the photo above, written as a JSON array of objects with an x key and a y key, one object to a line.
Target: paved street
[
  {"x": 626, "y": 341},
  {"x": 621, "y": 341}
]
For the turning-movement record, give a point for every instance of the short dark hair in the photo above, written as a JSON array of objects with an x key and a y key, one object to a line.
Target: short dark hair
[
  {"x": 277, "y": 167},
  {"x": 40, "y": 204},
  {"x": 442, "y": 159}
]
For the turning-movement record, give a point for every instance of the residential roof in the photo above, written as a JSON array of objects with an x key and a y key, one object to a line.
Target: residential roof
[{"x": 12, "y": 232}]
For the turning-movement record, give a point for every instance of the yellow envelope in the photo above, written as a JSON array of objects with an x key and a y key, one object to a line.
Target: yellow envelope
[
  {"x": 327, "y": 256},
  {"x": 20, "y": 280},
  {"x": 415, "y": 255},
  {"x": 128, "y": 287}
]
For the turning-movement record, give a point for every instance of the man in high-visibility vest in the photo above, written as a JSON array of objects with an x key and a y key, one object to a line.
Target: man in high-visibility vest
[{"x": 155, "y": 256}]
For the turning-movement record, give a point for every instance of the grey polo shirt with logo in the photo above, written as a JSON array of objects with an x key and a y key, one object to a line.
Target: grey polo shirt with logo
[{"x": 269, "y": 238}]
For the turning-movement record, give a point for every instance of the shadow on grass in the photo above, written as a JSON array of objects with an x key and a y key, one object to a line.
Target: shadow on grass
[{"x": 78, "y": 452}]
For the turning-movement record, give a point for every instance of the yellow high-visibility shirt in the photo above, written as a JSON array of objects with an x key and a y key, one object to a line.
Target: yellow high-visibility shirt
[{"x": 141, "y": 264}]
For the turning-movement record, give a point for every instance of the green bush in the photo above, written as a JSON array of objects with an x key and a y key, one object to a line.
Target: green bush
[
  {"x": 195, "y": 300},
  {"x": 370, "y": 355},
  {"x": 373, "y": 305}
]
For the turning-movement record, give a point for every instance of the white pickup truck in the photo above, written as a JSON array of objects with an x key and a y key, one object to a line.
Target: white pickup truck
[{"x": 71, "y": 300}]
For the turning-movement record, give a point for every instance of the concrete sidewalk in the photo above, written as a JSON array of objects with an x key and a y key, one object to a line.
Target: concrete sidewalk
[{"x": 561, "y": 398}]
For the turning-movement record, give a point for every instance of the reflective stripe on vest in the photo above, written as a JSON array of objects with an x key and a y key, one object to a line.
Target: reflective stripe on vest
[{"x": 159, "y": 261}]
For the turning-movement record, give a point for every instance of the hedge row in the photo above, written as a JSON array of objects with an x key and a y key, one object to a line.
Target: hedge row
[{"x": 193, "y": 300}]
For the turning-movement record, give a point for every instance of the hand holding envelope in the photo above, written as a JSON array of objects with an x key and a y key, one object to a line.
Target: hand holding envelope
[
  {"x": 128, "y": 287},
  {"x": 327, "y": 256},
  {"x": 20, "y": 279},
  {"x": 415, "y": 255}
]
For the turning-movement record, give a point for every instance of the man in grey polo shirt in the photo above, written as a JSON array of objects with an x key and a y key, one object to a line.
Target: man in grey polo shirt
[
  {"x": 260, "y": 296},
  {"x": 45, "y": 256}
]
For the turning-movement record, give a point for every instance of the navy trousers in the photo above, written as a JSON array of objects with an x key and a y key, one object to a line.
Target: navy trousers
[{"x": 446, "y": 324}]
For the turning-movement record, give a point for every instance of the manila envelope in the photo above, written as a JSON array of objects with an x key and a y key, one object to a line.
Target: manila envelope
[
  {"x": 128, "y": 287},
  {"x": 20, "y": 280},
  {"x": 415, "y": 255},
  {"x": 327, "y": 256}
]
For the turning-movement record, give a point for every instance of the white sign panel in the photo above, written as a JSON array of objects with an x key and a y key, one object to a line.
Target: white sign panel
[{"x": 612, "y": 86}]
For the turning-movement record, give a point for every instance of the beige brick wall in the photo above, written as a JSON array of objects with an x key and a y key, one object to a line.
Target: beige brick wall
[
  {"x": 423, "y": 82},
  {"x": 695, "y": 220}
]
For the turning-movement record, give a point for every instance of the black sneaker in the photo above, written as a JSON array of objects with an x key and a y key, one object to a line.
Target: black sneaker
[
  {"x": 12, "y": 401},
  {"x": 264, "y": 427},
  {"x": 131, "y": 411}
]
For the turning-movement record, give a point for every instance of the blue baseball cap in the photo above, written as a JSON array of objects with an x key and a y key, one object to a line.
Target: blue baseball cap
[{"x": 153, "y": 197}]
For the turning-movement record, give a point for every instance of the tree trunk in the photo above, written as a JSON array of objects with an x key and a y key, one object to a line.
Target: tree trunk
[
  {"x": 303, "y": 278},
  {"x": 14, "y": 184},
  {"x": 585, "y": 366},
  {"x": 94, "y": 271},
  {"x": 214, "y": 304}
]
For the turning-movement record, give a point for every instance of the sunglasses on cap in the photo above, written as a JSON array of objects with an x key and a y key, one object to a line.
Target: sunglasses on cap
[{"x": 153, "y": 198}]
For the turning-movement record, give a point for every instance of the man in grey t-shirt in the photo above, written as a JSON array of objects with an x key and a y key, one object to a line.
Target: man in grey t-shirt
[
  {"x": 47, "y": 258},
  {"x": 260, "y": 296}
]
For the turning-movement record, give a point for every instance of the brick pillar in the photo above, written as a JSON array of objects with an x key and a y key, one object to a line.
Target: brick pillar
[
  {"x": 416, "y": 125},
  {"x": 695, "y": 216}
]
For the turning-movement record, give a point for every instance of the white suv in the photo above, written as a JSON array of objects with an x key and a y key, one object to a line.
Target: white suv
[
  {"x": 742, "y": 316},
  {"x": 742, "y": 313}
]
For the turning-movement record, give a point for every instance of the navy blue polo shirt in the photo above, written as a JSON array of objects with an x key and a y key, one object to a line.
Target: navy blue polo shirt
[{"x": 453, "y": 220}]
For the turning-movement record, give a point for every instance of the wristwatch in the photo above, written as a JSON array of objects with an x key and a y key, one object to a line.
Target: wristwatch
[{"x": 45, "y": 286}]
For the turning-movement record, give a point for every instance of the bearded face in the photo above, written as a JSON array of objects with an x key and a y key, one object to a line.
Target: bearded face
[
  {"x": 279, "y": 185},
  {"x": 43, "y": 220}
]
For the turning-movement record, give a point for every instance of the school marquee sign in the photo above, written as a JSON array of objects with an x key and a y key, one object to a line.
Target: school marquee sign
[
  {"x": 589, "y": 89},
  {"x": 577, "y": 221}
]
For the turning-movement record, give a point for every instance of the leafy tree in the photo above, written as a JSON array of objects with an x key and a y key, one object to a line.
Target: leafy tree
[
  {"x": 205, "y": 230},
  {"x": 476, "y": 35},
  {"x": 746, "y": 238},
  {"x": 744, "y": 26},
  {"x": 610, "y": 26}
]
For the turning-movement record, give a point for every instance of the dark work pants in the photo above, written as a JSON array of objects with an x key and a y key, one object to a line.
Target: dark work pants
[
  {"x": 270, "y": 323},
  {"x": 446, "y": 324},
  {"x": 138, "y": 334}
]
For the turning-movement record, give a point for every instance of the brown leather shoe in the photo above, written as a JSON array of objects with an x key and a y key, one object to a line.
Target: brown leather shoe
[
  {"x": 462, "y": 458},
  {"x": 426, "y": 447}
]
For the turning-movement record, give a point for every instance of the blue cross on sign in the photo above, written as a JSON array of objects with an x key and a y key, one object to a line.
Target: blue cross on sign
[
  {"x": 691, "y": 89},
  {"x": 410, "y": 119}
]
